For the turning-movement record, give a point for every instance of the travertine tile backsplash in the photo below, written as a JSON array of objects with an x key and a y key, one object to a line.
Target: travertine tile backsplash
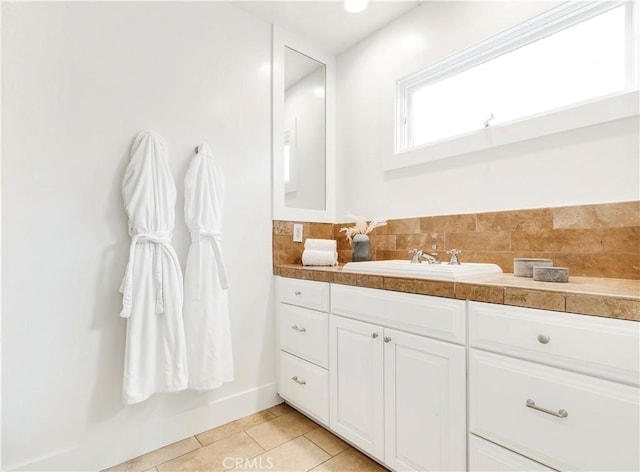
[{"x": 591, "y": 240}]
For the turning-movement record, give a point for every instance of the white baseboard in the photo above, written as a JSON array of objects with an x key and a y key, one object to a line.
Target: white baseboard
[{"x": 103, "y": 449}]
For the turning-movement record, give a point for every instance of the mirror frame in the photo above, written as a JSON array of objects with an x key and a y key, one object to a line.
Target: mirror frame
[{"x": 280, "y": 39}]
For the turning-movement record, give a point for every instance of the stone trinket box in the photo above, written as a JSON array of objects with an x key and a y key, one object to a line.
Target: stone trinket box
[
  {"x": 551, "y": 274},
  {"x": 523, "y": 267}
]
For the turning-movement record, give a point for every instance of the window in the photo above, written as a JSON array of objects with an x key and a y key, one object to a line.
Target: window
[{"x": 570, "y": 54}]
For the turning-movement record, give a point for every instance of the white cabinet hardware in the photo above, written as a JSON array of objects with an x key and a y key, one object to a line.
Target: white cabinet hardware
[
  {"x": 374, "y": 335},
  {"x": 387, "y": 339}
]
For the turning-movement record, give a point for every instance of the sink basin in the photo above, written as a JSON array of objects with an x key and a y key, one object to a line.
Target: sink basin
[{"x": 431, "y": 271}]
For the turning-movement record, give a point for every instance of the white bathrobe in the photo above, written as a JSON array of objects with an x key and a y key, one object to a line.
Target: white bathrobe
[
  {"x": 155, "y": 353},
  {"x": 206, "y": 310}
]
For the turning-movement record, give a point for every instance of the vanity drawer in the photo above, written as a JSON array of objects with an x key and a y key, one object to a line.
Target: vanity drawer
[
  {"x": 604, "y": 347},
  {"x": 305, "y": 333},
  {"x": 484, "y": 456},
  {"x": 599, "y": 432},
  {"x": 305, "y": 385},
  {"x": 304, "y": 293},
  {"x": 440, "y": 318}
]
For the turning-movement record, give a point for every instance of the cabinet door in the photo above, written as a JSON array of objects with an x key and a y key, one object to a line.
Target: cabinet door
[
  {"x": 425, "y": 403},
  {"x": 356, "y": 403}
]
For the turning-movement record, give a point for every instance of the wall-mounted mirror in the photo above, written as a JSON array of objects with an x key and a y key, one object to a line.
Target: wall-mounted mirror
[{"x": 303, "y": 130}]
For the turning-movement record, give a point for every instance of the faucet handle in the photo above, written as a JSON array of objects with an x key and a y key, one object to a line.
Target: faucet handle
[{"x": 454, "y": 256}]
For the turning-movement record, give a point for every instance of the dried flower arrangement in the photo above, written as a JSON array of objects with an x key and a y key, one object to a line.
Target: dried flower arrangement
[{"x": 361, "y": 227}]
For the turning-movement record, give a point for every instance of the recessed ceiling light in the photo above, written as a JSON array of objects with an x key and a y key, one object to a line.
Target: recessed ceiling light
[{"x": 355, "y": 6}]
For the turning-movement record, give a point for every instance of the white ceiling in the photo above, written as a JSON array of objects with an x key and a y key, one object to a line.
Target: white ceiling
[{"x": 327, "y": 24}]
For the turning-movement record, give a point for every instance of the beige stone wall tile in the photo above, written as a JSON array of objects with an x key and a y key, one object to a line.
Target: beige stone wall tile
[
  {"x": 318, "y": 230},
  {"x": 436, "y": 288},
  {"x": 402, "y": 226},
  {"x": 516, "y": 220},
  {"x": 621, "y": 240},
  {"x": 344, "y": 256},
  {"x": 343, "y": 243},
  {"x": 399, "y": 284},
  {"x": 327, "y": 441},
  {"x": 212, "y": 457},
  {"x": 299, "y": 454},
  {"x": 623, "y": 266},
  {"x": 383, "y": 242},
  {"x": 282, "y": 227},
  {"x": 281, "y": 242},
  {"x": 558, "y": 240},
  {"x": 448, "y": 223},
  {"x": 504, "y": 259},
  {"x": 422, "y": 241},
  {"x": 597, "y": 216},
  {"x": 349, "y": 460},
  {"x": 481, "y": 242},
  {"x": 604, "y": 306},
  {"x": 534, "y": 299},
  {"x": 281, "y": 429},
  {"x": 392, "y": 255},
  {"x": 153, "y": 458},
  {"x": 229, "y": 429},
  {"x": 479, "y": 293},
  {"x": 287, "y": 256}
]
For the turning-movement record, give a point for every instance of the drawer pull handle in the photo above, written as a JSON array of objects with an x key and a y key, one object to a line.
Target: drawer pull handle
[
  {"x": 296, "y": 380},
  {"x": 297, "y": 293},
  {"x": 560, "y": 413},
  {"x": 374, "y": 335},
  {"x": 300, "y": 330},
  {"x": 543, "y": 339},
  {"x": 387, "y": 339}
]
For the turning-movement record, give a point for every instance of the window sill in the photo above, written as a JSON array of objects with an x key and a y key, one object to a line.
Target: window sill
[{"x": 602, "y": 110}]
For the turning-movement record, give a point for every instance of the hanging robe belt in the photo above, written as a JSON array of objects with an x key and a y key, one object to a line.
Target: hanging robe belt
[
  {"x": 216, "y": 248},
  {"x": 161, "y": 238}
]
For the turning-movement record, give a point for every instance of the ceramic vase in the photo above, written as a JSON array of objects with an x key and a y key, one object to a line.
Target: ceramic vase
[{"x": 360, "y": 248}]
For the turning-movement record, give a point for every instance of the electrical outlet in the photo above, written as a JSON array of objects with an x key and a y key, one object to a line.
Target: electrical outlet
[{"x": 297, "y": 233}]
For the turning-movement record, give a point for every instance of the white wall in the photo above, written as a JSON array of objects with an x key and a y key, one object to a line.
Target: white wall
[
  {"x": 79, "y": 81},
  {"x": 592, "y": 165},
  {"x": 304, "y": 113}
]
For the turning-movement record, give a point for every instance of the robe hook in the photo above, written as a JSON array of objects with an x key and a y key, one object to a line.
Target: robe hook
[{"x": 197, "y": 149}]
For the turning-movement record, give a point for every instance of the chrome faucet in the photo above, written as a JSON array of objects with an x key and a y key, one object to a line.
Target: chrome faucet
[
  {"x": 454, "y": 256},
  {"x": 417, "y": 255}
]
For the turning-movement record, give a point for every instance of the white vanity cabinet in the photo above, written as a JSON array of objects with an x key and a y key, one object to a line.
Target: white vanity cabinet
[
  {"x": 399, "y": 396},
  {"x": 558, "y": 388},
  {"x": 302, "y": 322}
]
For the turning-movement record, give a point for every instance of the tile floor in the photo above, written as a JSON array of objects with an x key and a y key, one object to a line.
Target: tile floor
[{"x": 276, "y": 439}]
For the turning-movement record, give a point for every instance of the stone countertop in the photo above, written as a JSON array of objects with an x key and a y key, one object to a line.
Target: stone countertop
[{"x": 611, "y": 298}]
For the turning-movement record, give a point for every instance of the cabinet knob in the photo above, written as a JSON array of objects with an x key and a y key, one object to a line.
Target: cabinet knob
[
  {"x": 543, "y": 339},
  {"x": 298, "y": 381},
  {"x": 297, "y": 293},
  {"x": 387, "y": 339},
  {"x": 374, "y": 335}
]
